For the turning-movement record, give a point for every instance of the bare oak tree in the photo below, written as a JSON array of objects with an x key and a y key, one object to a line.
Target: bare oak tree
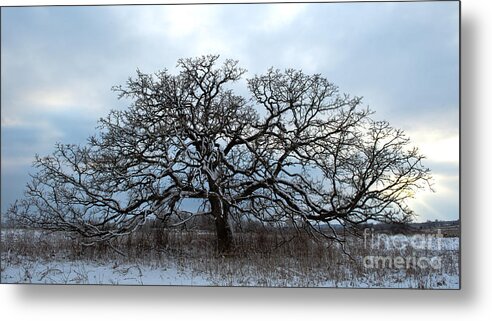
[{"x": 297, "y": 152}]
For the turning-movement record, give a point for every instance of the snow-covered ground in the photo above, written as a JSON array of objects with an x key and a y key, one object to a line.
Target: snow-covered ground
[
  {"x": 205, "y": 271},
  {"x": 80, "y": 272}
]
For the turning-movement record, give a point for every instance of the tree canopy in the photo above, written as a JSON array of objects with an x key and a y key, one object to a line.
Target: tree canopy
[{"x": 295, "y": 153}]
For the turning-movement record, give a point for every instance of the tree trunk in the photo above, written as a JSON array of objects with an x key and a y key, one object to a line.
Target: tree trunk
[
  {"x": 225, "y": 240},
  {"x": 223, "y": 230}
]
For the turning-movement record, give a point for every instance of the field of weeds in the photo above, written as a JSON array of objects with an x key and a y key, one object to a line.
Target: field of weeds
[{"x": 261, "y": 258}]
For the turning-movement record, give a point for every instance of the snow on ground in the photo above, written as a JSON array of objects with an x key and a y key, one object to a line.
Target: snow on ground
[
  {"x": 114, "y": 273},
  {"x": 80, "y": 272},
  {"x": 206, "y": 271}
]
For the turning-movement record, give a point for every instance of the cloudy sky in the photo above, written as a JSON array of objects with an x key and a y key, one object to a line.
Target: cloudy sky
[{"x": 59, "y": 64}]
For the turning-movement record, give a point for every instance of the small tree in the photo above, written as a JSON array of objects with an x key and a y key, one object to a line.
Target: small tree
[{"x": 297, "y": 153}]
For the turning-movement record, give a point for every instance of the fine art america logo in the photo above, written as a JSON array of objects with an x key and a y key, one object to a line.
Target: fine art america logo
[{"x": 402, "y": 251}]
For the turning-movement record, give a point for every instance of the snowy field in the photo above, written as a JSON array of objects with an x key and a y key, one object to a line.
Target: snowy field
[
  {"x": 58, "y": 268},
  {"x": 80, "y": 272}
]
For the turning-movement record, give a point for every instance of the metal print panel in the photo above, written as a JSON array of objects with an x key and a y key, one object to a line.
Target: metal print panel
[{"x": 272, "y": 145}]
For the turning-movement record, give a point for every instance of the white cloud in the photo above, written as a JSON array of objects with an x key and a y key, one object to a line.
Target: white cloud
[
  {"x": 280, "y": 16},
  {"x": 12, "y": 121},
  {"x": 183, "y": 21},
  {"x": 51, "y": 99},
  {"x": 429, "y": 204},
  {"x": 437, "y": 145},
  {"x": 174, "y": 22}
]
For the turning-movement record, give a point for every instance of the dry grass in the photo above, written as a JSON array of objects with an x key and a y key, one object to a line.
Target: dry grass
[{"x": 262, "y": 258}]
